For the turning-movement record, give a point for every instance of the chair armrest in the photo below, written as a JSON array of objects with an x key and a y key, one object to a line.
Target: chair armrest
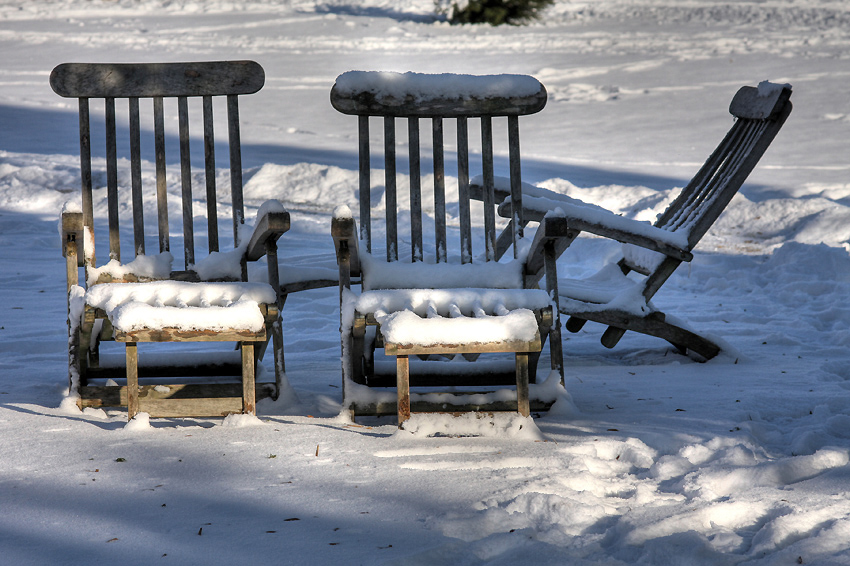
[
  {"x": 601, "y": 222},
  {"x": 72, "y": 236},
  {"x": 476, "y": 189},
  {"x": 553, "y": 236},
  {"x": 344, "y": 232},
  {"x": 270, "y": 226}
]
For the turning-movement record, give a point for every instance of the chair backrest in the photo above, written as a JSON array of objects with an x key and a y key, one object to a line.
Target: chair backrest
[
  {"x": 759, "y": 114},
  {"x": 158, "y": 81},
  {"x": 414, "y": 96}
]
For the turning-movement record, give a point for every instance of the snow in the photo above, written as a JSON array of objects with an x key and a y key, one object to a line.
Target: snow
[
  {"x": 647, "y": 458},
  {"x": 406, "y": 327},
  {"x": 422, "y": 87},
  {"x": 182, "y": 305}
]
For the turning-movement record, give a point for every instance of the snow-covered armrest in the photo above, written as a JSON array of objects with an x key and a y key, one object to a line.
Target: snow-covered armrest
[
  {"x": 272, "y": 223},
  {"x": 553, "y": 233},
  {"x": 344, "y": 232},
  {"x": 584, "y": 217}
]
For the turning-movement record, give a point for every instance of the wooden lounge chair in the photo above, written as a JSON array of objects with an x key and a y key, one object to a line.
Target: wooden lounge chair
[
  {"x": 144, "y": 300},
  {"x": 434, "y": 300},
  {"x": 654, "y": 252}
]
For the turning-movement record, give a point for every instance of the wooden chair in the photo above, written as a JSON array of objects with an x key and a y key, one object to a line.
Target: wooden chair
[
  {"x": 653, "y": 253},
  {"x": 144, "y": 300},
  {"x": 421, "y": 296}
]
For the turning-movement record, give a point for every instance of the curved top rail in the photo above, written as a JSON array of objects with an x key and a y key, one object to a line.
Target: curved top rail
[
  {"x": 373, "y": 93},
  {"x": 760, "y": 103},
  {"x": 122, "y": 80}
]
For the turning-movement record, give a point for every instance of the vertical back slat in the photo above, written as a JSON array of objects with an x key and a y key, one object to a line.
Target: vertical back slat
[
  {"x": 136, "y": 178},
  {"x": 390, "y": 196},
  {"x": 463, "y": 190},
  {"x": 415, "y": 190},
  {"x": 439, "y": 191},
  {"x": 186, "y": 181},
  {"x": 365, "y": 183},
  {"x": 516, "y": 180},
  {"x": 671, "y": 218},
  {"x": 85, "y": 162},
  {"x": 161, "y": 186},
  {"x": 234, "y": 138},
  {"x": 112, "y": 181},
  {"x": 489, "y": 182},
  {"x": 209, "y": 174},
  {"x": 729, "y": 177}
]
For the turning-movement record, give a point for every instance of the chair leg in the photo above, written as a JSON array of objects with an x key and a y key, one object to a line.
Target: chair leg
[
  {"x": 249, "y": 400},
  {"x": 522, "y": 404},
  {"x": 403, "y": 388},
  {"x": 132, "y": 365},
  {"x": 279, "y": 361},
  {"x": 556, "y": 348}
]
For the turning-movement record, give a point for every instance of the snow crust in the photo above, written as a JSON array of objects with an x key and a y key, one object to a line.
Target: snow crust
[{"x": 423, "y": 87}]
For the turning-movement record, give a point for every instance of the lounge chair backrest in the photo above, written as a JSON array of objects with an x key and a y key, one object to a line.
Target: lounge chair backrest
[
  {"x": 758, "y": 117},
  {"x": 388, "y": 96},
  {"x": 160, "y": 81}
]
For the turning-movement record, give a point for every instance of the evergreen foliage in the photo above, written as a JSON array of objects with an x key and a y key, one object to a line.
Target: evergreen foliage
[{"x": 498, "y": 12}]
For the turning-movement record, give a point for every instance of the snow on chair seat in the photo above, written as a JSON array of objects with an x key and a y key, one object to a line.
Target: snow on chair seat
[{"x": 166, "y": 310}]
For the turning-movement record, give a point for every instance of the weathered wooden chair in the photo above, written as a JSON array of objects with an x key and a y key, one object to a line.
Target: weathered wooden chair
[
  {"x": 143, "y": 300},
  {"x": 440, "y": 303},
  {"x": 654, "y": 252}
]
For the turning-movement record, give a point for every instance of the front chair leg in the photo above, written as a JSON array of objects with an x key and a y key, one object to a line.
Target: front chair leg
[
  {"x": 522, "y": 403},
  {"x": 249, "y": 401},
  {"x": 132, "y": 365},
  {"x": 403, "y": 388}
]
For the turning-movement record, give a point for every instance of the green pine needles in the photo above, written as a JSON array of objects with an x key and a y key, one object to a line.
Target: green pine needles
[{"x": 497, "y": 12}]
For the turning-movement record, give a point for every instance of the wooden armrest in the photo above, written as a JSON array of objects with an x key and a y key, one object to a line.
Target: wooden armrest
[
  {"x": 476, "y": 192},
  {"x": 269, "y": 228},
  {"x": 609, "y": 225},
  {"x": 552, "y": 230},
  {"x": 344, "y": 232},
  {"x": 72, "y": 233}
]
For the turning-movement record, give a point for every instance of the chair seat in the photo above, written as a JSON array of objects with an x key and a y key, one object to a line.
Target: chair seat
[{"x": 183, "y": 306}]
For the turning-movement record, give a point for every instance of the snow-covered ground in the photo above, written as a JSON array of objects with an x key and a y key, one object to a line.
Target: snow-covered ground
[{"x": 657, "y": 459}]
